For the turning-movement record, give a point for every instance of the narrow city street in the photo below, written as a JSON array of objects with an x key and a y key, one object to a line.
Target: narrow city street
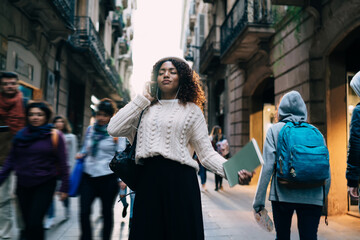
[{"x": 227, "y": 215}]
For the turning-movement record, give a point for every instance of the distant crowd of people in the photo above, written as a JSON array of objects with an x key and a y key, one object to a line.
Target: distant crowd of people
[{"x": 173, "y": 147}]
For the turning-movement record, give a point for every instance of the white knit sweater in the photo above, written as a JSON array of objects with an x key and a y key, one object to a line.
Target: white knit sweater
[{"x": 169, "y": 129}]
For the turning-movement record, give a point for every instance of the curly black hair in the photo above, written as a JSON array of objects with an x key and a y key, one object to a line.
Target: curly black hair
[
  {"x": 190, "y": 86},
  {"x": 107, "y": 105}
]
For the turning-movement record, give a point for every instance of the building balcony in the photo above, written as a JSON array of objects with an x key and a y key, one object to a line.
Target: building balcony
[
  {"x": 123, "y": 45},
  {"x": 210, "y": 50},
  {"x": 88, "y": 43},
  {"x": 248, "y": 24},
  {"x": 55, "y": 16},
  {"x": 117, "y": 25},
  {"x": 192, "y": 21},
  {"x": 289, "y": 2}
]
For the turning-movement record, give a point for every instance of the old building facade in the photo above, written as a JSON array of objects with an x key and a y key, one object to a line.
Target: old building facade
[
  {"x": 66, "y": 52},
  {"x": 254, "y": 51}
]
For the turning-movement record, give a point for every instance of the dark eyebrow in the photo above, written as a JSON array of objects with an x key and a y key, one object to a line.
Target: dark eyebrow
[{"x": 163, "y": 69}]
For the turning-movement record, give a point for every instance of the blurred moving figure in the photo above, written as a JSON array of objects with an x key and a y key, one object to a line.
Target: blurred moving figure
[
  {"x": 98, "y": 180},
  {"x": 38, "y": 157},
  {"x": 220, "y": 145},
  {"x": 12, "y": 119},
  {"x": 62, "y": 124}
]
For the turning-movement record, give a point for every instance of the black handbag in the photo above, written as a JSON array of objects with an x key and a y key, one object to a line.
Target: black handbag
[{"x": 124, "y": 166}]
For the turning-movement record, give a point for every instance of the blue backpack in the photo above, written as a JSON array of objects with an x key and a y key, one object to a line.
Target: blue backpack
[{"x": 302, "y": 158}]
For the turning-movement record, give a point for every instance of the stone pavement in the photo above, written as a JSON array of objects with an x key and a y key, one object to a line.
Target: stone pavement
[{"x": 227, "y": 215}]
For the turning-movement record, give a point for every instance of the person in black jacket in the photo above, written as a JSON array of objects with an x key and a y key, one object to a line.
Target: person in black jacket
[{"x": 353, "y": 161}]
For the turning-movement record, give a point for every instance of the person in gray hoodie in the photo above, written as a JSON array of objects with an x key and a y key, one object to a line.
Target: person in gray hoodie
[{"x": 307, "y": 202}]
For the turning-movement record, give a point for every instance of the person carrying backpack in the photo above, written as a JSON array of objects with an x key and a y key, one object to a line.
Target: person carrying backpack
[{"x": 292, "y": 149}]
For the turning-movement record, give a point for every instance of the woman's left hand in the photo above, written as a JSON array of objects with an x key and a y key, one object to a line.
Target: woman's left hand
[
  {"x": 245, "y": 176},
  {"x": 63, "y": 196}
]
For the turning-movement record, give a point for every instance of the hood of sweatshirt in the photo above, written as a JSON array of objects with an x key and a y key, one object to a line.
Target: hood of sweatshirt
[
  {"x": 355, "y": 83},
  {"x": 292, "y": 108}
]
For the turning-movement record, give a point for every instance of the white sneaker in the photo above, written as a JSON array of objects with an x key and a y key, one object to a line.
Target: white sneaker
[{"x": 48, "y": 223}]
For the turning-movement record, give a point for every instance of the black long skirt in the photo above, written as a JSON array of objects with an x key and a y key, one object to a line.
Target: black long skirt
[{"x": 167, "y": 202}]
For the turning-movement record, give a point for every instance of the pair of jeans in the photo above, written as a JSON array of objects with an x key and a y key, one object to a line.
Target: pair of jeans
[
  {"x": 202, "y": 174},
  {"x": 132, "y": 199},
  {"x": 51, "y": 210},
  {"x": 308, "y": 217},
  {"x": 6, "y": 208}
]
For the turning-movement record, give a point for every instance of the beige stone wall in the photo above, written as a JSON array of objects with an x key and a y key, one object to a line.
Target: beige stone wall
[
  {"x": 238, "y": 131},
  {"x": 300, "y": 61}
]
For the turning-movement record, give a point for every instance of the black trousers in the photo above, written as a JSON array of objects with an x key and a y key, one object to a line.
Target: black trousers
[
  {"x": 218, "y": 182},
  {"x": 34, "y": 203},
  {"x": 308, "y": 219},
  {"x": 106, "y": 188},
  {"x": 167, "y": 203}
]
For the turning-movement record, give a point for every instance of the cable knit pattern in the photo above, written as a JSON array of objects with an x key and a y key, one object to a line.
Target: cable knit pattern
[{"x": 169, "y": 129}]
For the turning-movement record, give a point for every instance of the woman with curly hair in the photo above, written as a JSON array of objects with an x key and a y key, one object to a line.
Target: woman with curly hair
[{"x": 168, "y": 203}]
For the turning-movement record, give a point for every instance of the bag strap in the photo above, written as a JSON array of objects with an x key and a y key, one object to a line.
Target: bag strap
[
  {"x": 133, "y": 146},
  {"x": 54, "y": 138}
]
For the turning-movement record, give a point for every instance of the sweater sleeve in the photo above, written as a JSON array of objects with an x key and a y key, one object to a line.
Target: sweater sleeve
[
  {"x": 353, "y": 161},
  {"x": 269, "y": 155},
  {"x": 199, "y": 139},
  {"x": 63, "y": 165},
  {"x": 124, "y": 123}
]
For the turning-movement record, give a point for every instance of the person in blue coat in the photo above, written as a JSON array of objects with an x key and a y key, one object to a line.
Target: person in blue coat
[{"x": 353, "y": 160}]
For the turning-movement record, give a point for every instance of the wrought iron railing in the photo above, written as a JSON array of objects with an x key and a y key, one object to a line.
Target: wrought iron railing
[
  {"x": 86, "y": 37},
  {"x": 66, "y": 9},
  {"x": 243, "y": 13},
  {"x": 211, "y": 44}
]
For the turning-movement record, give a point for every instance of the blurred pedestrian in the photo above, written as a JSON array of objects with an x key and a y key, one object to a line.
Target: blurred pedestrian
[
  {"x": 12, "y": 119},
  {"x": 220, "y": 144},
  {"x": 98, "y": 181},
  {"x": 122, "y": 195},
  {"x": 353, "y": 159},
  {"x": 285, "y": 199},
  {"x": 62, "y": 124},
  {"x": 37, "y": 159},
  {"x": 167, "y": 203},
  {"x": 201, "y": 173}
]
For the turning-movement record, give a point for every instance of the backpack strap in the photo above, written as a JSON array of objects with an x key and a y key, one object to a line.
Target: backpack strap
[{"x": 54, "y": 138}]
